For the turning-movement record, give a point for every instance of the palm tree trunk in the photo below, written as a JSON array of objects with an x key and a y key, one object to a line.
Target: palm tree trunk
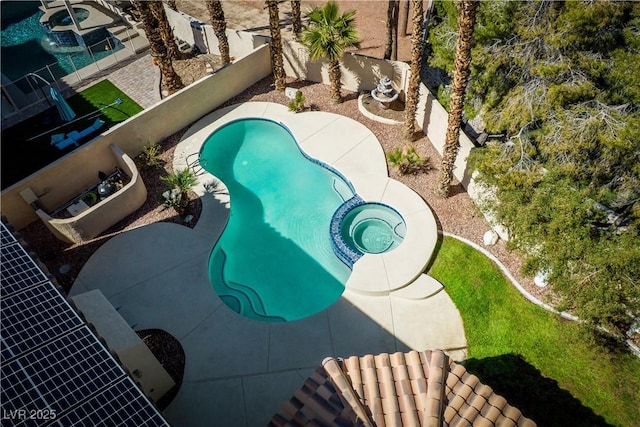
[
  {"x": 219, "y": 24},
  {"x": 296, "y": 18},
  {"x": 417, "y": 45},
  {"x": 391, "y": 46},
  {"x": 172, "y": 81},
  {"x": 466, "y": 21},
  {"x": 335, "y": 75},
  {"x": 276, "y": 45},
  {"x": 403, "y": 17},
  {"x": 157, "y": 8},
  {"x": 172, "y": 5}
]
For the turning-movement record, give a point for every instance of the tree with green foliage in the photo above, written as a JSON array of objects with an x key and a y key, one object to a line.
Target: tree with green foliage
[
  {"x": 560, "y": 81},
  {"x": 328, "y": 35}
]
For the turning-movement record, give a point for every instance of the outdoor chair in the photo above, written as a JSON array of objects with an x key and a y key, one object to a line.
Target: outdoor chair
[
  {"x": 94, "y": 127},
  {"x": 73, "y": 137}
]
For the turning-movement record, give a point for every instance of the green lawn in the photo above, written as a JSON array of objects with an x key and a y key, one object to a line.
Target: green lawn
[
  {"x": 542, "y": 364},
  {"x": 101, "y": 95},
  {"x": 24, "y": 152}
]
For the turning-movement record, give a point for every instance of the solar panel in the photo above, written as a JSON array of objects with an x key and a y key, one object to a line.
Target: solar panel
[
  {"x": 6, "y": 237},
  {"x": 59, "y": 374},
  {"x": 33, "y": 317},
  {"x": 53, "y": 369},
  {"x": 120, "y": 405},
  {"x": 19, "y": 271}
]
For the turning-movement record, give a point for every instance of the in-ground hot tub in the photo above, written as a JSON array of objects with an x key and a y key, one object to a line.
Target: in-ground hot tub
[
  {"x": 62, "y": 18},
  {"x": 373, "y": 228},
  {"x": 359, "y": 228}
]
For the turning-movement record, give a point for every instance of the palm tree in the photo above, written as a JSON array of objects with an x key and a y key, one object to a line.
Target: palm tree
[
  {"x": 296, "y": 19},
  {"x": 417, "y": 44},
  {"x": 172, "y": 5},
  {"x": 172, "y": 81},
  {"x": 157, "y": 8},
  {"x": 219, "y": 25},
  {"x": 276, "y": 44},
  {"x": 403, "y": 17},
  {"x": 327, "y": 36},
  {"x": 391, "y": 47},
  {"x": 466, "y": 22}
]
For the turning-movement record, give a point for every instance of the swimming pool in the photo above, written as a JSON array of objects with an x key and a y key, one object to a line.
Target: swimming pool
[
  {"x": 26, "y": 42},
  {"x": 276, "y": 259}
]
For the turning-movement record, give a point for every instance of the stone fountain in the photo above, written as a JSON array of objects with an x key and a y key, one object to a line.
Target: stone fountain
[{"x": 384, "y": 93}]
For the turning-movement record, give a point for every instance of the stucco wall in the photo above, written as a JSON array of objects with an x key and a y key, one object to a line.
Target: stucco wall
[
  {"x": 359, "y": 72},
  {"x": 93, "y": 221},
  {"x": 58, "y": 182},
  {"x": 432, "y": 117}
]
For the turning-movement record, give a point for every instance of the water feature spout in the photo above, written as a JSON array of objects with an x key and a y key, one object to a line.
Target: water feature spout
[{"x": 384, "y": 93}]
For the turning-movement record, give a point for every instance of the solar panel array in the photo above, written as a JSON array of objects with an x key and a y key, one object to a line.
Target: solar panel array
[{"x": 54, "y": 370}]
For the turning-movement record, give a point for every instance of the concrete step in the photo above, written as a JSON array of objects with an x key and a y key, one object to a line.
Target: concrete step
[
  {"x": 118, "y": 29},
  {"x": 127, "y": 35},
  {"x": 140, "y": 44},
  {"x": 423, "y": 287}
]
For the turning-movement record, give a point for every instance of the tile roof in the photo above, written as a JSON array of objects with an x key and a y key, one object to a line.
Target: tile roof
[{"x": 391, "y": 390}]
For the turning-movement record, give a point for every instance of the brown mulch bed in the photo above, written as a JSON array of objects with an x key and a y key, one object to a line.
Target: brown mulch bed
[
  {"x": 395, "y": 110},
  {"x": 167, "y": 349}
]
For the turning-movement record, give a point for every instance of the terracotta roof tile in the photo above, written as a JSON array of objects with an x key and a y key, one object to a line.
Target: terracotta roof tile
[{"x": 396, "y": 390}]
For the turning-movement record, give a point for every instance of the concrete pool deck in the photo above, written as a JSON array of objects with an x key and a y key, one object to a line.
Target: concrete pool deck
[{"x": 240, "y": 371}]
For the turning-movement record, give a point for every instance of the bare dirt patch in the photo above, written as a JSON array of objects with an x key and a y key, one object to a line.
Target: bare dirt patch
[{"x": 251, "y": 15}]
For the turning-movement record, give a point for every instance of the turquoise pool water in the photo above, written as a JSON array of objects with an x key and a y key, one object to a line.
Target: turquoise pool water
[
  {"x": 24, "y": 41},
  {"x": 373, "y": 228},
  {"x": 274, "y": 260}
]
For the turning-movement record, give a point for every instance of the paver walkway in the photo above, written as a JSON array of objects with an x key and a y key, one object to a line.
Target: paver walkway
[{"x": 140, "y": 80}]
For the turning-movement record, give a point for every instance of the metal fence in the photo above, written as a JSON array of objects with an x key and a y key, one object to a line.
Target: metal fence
[{"x": 72, "y": 68}]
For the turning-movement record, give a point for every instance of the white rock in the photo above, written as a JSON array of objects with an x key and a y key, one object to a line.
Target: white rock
[
  {"x": 490, "y": 238},
  {"x": 541, "y": 278},
  {"x": 290, "y": 92}
]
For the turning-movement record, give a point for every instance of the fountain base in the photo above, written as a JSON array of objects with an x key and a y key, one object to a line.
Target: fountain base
[{"x": 392, "y": 115}]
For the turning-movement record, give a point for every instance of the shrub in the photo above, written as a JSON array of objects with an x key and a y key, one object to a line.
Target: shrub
[
  {"x": 297, "y": 104},
  {"x": 151, "y": 155},
  {"x": 408, "y": 161},
  {"x": 183, "y": 181}
]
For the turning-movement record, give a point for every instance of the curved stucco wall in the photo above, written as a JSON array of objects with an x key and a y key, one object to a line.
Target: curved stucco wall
[{"x": 105, "y": 213}]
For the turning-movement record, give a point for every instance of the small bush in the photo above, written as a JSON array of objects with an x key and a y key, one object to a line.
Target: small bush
[
  {"x": 408, "y": 161},
  {"x": 297, "y": 105},
  {"x": 181, "y": 183},
  {"x": 150, "y": 155}
]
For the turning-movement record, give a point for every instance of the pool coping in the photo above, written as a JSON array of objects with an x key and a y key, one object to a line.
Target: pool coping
[{"x": 354, "y": 151}]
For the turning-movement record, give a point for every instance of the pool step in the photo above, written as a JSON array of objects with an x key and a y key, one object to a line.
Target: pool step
[
  {"x": 422, "y": 288},
  {"x": 131, "y": 38}
]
